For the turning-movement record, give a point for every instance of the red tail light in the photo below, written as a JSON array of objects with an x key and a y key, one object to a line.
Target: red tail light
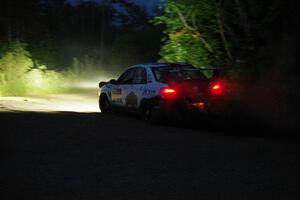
[
  {"x": 216, "y": 88},
  {"x": 168, "y": 93}
]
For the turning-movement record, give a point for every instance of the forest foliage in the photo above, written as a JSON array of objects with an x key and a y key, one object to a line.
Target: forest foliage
[
  {"x": 255, "y": 44},
  {"x": 245, "y": 38},
  {"x": 20, "y": 76},
  {"x": 43, "y": 42}
]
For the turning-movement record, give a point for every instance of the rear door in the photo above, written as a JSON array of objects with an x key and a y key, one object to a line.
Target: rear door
[{"x": 132, "y": 93}]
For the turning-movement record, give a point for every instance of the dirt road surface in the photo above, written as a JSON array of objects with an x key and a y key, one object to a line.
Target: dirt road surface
[{"x": 58, "y": 153}]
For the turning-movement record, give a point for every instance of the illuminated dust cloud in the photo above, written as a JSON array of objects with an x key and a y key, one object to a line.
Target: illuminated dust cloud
[{"x": 83, "y": 101}]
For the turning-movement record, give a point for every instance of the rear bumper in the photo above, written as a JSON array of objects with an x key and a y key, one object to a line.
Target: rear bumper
[{"x": 209, "y": 105}]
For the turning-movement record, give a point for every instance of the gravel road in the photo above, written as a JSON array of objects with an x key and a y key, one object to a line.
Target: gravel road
[{"x": 87, "y": 155}]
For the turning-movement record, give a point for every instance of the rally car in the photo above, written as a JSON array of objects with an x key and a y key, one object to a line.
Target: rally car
[{"x": 162, "y": 89}]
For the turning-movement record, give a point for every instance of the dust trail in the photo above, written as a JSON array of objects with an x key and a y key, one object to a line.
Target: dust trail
[{"x": 84, "y": 100}]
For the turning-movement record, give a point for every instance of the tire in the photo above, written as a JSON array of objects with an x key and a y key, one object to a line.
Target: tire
[
  {"x": 148, "y": 114},
  {"x": 104, "y": 104}
]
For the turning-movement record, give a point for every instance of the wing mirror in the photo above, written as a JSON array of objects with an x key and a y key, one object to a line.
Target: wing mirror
[
  {"x": 113, "y": 81},
  {"x": 101, "y": 84}
]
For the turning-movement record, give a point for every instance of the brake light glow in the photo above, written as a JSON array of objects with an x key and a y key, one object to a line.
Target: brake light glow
[
  {"x": 216, "y": 89},
  {"x": 168, "y": 93},
  {"x": 169, "y": 90}
]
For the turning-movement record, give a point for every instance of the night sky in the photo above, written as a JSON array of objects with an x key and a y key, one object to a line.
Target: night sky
[{"x": 149, "y": 4}]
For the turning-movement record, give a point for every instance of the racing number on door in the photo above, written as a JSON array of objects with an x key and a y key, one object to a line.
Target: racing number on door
[{"x": 116, "y": 95}]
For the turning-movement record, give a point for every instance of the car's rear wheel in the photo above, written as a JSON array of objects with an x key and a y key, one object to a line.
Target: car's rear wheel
[
  {"x": 149, "y": 113},
  {"x": 104, "y": 104}
]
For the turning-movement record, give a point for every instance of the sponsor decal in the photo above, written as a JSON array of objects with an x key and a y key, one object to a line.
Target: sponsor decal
[
  {"x": 131, "y": 100},
  {"x": 116, "y": 95},
  {"x": 117, "y": 91},
  {"x": 148, "y": 92}
]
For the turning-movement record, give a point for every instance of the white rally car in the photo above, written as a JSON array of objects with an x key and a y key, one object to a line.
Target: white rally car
[{"x": 161, "y": 89}]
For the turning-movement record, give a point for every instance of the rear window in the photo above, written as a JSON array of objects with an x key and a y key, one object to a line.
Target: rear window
[{"x": 177, "y": 73}]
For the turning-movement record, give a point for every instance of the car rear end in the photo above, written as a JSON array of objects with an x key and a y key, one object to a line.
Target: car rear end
[{"x": 188, "y": 90}]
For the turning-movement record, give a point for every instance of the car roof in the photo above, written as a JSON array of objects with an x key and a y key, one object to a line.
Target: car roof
[
  {"x": 170, "y": 64},
  {"x": 159, "y": 64}
]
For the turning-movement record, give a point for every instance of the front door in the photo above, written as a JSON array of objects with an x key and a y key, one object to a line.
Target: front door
[{"x": 118, "y": 91}]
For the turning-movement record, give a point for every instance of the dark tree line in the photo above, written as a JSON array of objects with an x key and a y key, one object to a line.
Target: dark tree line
[
  {"x": 254, "y": 42},
  {"x": 253, "y": 36},
  {"x": 57, "y": 31},
  {"x": 264, "y": 34}
]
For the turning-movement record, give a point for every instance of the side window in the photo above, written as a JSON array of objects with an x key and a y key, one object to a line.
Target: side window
[
  {"x": 127, "y": 77},
  {"x": 140, "y": 76}
]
